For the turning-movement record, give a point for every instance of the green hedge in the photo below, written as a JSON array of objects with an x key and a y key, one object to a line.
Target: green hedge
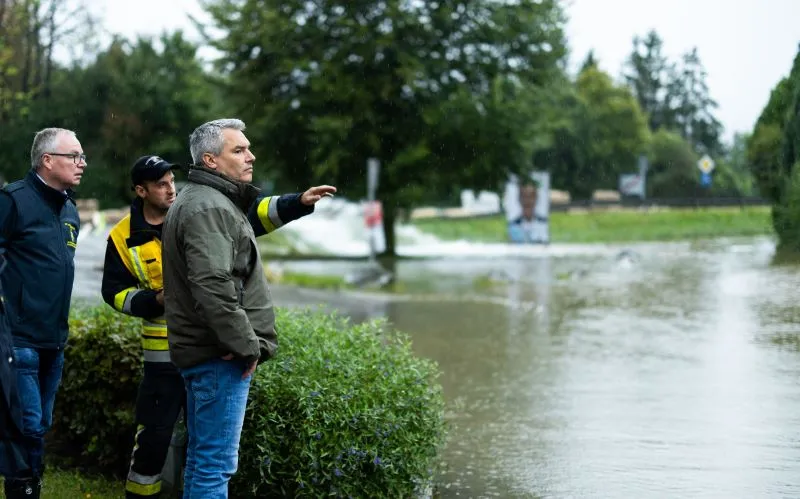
[
  {"x": 343, "y": 410},
  {"x": 93, "y": 419}
]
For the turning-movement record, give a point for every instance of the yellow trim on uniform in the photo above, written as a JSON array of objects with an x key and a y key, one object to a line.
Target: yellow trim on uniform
[
  {"x": 159, "y": 344},
  {"x": 160, "y": 332},
  {"x": 119, "y": 234},
  {"x": 263, "y": 214},
  {"x": 138, "y": 267},
  {"x": 119, "y": 299},
  {"x": 143, "y": 490},
  {"x": 144, "y": 263}
]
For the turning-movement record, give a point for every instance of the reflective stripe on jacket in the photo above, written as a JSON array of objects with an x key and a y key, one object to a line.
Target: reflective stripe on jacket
[{"x": 132, "y": 278}]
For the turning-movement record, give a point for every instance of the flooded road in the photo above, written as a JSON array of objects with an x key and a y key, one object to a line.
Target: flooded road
[{"x": 673, "y": 371}]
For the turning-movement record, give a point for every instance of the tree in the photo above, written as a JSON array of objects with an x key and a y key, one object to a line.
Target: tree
[
  {"x": 589, "y": 62},
  {"x": 648, "y": 75},
  {"x": 773, "y": 154},
  {"x": 435, "y": 90},
  {"x": 30, "y": 32},
  {"x": 764, "y": 146},
  {"x": 673, "y": 166},
  {"x": 561, "y": 146},
  {"x": 617, "y": 129},
  {"x": 693, "y": 113},
  {"x": 600, "y": 133},
  {"x": 674, "y": 96},
  {"x": 137, "y": 98},
  {"x": 732, "y": 176}
]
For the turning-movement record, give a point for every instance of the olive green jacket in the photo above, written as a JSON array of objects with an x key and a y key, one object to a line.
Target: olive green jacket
[{"x": 217, "y": 300}]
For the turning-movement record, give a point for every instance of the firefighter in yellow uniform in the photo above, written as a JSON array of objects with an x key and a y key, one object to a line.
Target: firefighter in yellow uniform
[{"x": 132, "y": 284}]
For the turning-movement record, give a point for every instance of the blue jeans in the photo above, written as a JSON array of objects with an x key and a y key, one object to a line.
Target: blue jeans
[
  {"x": 38, "y": 377},
  {"x": 216, "y": 398}
]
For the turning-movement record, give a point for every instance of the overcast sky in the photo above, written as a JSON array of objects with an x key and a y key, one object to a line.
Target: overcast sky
[{"x": 745, "y": 45}]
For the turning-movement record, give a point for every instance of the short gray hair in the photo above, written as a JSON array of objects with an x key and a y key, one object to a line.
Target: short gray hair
[
  {"x": 207, "y": 138},
  {"x": 44, "y": 142}
]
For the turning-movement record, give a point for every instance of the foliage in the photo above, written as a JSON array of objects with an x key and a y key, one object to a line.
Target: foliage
[
  {"x": 138, "y": 98},
  {"x": 31, "y": 32},
  {"x": 673, "y": 167},
  {"x": 307, "y": 280},
  {"x": 599, "y": 135},
  {"x": 786, "y": 214},
  {"x": 674, "y": 96},
  {"x": 773, "y": 152},
  {"x": 434, "y": 90},
  {"x": 65, "y": 483},
  {"x": 343, "y": 409},
  {"x": 447, "y": 95},
  {"x": 732, "y": 176},
  {"x": 617, "y": 129},
  {"x": 630, "y": 225},
  {"x": 93, "y": 421},
  {"x": 133, "y": 98}
]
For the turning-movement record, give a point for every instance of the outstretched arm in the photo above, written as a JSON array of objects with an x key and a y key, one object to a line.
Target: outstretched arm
[{"x": 269, "y": 213}]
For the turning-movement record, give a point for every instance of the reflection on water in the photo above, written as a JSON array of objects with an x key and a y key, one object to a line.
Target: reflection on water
[{"x": 664, "y": 375}]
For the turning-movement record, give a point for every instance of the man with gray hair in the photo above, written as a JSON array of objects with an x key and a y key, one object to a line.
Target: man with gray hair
[
  {"x": 39, "y": 227},
  {"x": 218, "y": 306}
]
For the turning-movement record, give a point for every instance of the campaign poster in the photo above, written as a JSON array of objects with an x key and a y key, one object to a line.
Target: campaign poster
[{"x": 526, "y": 203}]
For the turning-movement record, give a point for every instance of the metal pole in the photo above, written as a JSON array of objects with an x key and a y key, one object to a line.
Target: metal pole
[{"x": 373, "y": 166}]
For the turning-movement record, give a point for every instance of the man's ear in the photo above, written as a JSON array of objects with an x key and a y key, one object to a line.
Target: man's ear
[
  {"x": 46, "y": 162},
  {"x": 140, "y": 191},
  {"x": 209, "y": 160}
]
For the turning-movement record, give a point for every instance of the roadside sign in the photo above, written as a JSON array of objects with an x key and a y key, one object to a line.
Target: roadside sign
[
  {"x": 706, "y": 164},
  {"x": 373, "y": 169},
  {"x": 631, "y": 184}
]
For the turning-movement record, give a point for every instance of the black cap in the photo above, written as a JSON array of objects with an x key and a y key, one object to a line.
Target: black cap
[{"x": 150, "y": 168}]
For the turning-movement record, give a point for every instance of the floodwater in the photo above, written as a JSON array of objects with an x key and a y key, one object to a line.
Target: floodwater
[{"x": 672, "y": 371}]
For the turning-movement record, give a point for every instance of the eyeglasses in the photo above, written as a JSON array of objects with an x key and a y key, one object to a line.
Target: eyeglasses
[{"x": 77, "y": 158}]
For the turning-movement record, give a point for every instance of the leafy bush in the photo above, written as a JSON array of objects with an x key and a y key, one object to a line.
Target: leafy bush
[
  {"x": 93, "y": 420},
  {"x": 342, "y": 410}
]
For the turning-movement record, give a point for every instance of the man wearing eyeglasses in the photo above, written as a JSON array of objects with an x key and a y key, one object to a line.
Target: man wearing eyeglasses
[{"x": 39, "y": 228}]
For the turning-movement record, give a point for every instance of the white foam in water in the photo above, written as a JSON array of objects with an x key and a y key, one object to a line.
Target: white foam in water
[{"x": 337, "y": 228}]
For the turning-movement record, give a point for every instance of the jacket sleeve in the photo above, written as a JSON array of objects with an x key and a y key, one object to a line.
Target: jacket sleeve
[
  {"x": 209, "y": 250},
  {"x": 268, "y": 213},
  {"x": 8, "y": 220},
  {"x": 120, "y": 289}
]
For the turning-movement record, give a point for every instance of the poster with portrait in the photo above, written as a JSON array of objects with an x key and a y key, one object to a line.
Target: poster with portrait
[{"x": 526, "y": 203}]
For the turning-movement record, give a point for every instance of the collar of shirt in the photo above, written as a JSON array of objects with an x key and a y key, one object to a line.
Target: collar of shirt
[{"x": 45, "y": 183}]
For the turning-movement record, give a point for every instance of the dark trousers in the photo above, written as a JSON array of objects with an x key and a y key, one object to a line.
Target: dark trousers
[{"x": 161, "y": 398}]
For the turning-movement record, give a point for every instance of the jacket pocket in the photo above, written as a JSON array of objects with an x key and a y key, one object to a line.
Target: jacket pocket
[{"x": 150, "y": 254}]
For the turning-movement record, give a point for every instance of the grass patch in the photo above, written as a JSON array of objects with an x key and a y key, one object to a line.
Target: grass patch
[
  {"x": 70, "y": 484},
  {"x": 308, "y": 280},
  {"x": 617, "y": 226}
]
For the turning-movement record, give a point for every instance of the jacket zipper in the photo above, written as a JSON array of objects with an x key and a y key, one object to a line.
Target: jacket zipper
[{"x": 65, "y": 252}]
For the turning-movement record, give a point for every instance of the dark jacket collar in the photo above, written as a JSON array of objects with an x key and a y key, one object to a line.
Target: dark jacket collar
[
  {"x": 54, "y": 197},
  {"x": 138, "y": 222},
  {"x": 240, "y": 193}
]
